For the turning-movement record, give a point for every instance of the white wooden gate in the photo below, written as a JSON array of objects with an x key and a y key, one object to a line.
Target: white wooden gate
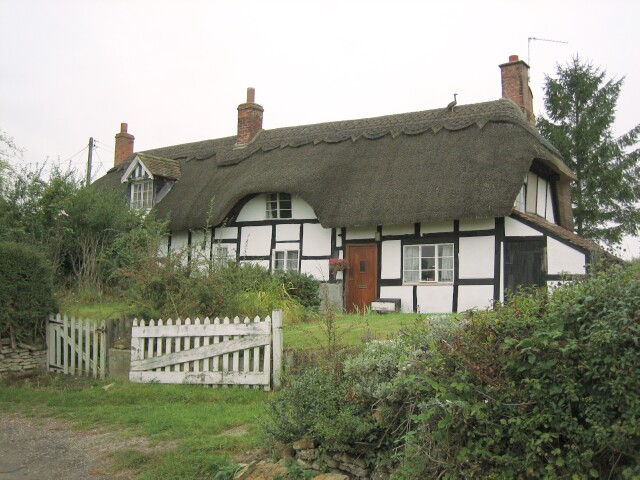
[
  {"x": 76, "y": 346},
  {"x": 218, "y": 352}
]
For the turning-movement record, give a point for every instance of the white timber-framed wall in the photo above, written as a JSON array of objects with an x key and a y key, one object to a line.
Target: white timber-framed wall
[{"x": 478, "y": 251}]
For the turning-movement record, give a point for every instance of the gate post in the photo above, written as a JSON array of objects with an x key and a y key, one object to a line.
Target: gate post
[{"x": 276, "y": 340}]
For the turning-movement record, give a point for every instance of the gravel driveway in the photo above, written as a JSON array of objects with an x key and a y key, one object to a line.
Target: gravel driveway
[{"x": 44, "y": 448}]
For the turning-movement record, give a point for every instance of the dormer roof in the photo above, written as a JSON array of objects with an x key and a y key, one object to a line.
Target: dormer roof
[{"x": 153, "y": 166}]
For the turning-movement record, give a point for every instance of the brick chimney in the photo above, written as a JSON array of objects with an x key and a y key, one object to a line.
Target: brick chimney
[
  {"x": 124, "y": 145},
  {"x": 515, "y": 86},
  {"x": 249, "y": 119}
]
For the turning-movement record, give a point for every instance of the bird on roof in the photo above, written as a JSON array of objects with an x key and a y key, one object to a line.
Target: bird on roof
[{"x": 453, "y": 103}]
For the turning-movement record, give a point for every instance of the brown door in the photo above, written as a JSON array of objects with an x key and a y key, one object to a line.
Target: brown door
[{"x": 361, "y": 284}]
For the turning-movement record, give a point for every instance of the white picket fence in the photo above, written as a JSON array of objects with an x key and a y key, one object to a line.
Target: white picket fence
[
  {"x": 208, "y": 352},
  {"x": 76, "y": 346}
]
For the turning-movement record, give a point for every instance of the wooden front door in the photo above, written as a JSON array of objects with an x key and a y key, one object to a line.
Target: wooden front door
[
  {"x": 524, "y": 263},
  {"x": 361, "y": 278}
]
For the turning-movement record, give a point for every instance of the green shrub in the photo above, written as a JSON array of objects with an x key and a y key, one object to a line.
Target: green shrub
[
  {"x": 162, "y": 287},
  {"x": 301, "y": 286},
  {"x": 26, "y": 291},
  {"x": 316, "y": 404},
  {"x": 546, "y": 386}
]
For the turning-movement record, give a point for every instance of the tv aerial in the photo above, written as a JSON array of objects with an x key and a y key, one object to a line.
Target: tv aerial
[{"x": 536, "y": 39}]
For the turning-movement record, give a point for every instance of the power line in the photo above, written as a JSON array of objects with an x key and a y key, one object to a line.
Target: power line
[
  {"x": 108, "y": 147},
  {"x": 75, "y": 154},
  {"x": 101, "y": 165}
]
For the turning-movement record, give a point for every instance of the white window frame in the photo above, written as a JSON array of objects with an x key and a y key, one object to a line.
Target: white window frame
[
  {"x": 438, "y": 267},
  {"x": 142, "y": 194},
  {"x": 287, "y": 260},
  {"x": 274, "y": 206}
]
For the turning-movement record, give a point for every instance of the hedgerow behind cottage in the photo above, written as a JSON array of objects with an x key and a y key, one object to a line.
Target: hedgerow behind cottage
[{"x": 544, "y": 386}]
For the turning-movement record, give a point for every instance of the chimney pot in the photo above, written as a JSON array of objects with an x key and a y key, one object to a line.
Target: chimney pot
[
  {"x": 123, "y": 127},
  {"x": 513, "y": 58},
  {"x": 251, "y": 95}
]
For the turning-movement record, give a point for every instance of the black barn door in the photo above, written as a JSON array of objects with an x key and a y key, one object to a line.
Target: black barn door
[{"x": 525, "y": 262}]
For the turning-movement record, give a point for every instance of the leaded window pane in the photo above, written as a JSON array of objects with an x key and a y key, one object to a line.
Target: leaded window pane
[
  {"x": 279, "y": 260},
  {"x": 445, "y": 250},
  {"x": 279, "y": 205},
  {"x": 446, "y": 276},
  {"x": 292, "y": 260}
]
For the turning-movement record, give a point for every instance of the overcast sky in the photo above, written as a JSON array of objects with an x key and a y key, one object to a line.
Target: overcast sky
[{"x": 176, "y": 71}]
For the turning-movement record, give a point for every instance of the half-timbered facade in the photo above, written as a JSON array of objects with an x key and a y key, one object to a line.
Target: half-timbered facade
[{"x": 439, "y": 210}]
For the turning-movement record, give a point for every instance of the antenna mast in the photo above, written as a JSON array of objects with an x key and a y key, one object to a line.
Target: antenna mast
[{"x": 538, "y": 40}]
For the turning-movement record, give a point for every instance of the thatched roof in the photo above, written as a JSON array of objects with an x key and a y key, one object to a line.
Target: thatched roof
[{"x": 413, "y": 167}]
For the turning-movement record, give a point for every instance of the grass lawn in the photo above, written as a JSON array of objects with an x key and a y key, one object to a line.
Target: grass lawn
[
  {"x": 202, "y": 423},
  {"x": 350, "y": 329}
]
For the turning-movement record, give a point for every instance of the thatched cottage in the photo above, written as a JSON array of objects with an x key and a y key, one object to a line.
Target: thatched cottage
[{"x": 436, "y": 211}]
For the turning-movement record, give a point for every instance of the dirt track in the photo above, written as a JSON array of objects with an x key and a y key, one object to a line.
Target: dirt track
[{"x": 42, "y": 449}]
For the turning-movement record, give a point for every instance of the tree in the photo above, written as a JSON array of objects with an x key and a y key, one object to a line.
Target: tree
[
  {"x": 8, "y": 150},
  {"x": 580, "y": 104}
]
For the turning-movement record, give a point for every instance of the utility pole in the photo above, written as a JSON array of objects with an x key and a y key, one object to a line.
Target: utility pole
[{"x": 89, "y": 161}]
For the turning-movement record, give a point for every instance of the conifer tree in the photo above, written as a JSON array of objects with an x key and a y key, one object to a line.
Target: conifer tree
[{"x": 580, "y": 104}]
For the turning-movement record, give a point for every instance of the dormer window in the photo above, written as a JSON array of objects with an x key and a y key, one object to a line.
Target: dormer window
[
  {"x": 150, "y": 178},
  {"x": 142, "y": 194},
  {"x": 278, "y": 205}
]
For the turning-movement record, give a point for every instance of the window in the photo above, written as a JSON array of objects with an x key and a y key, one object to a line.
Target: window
[
  {"x": 221, "y": 255},
  {"x": 428, "y": 263},
  {"x": 142, "y": 194},
  {"x": 285, "y": 260},
  {"x": 278, "y": 205}
]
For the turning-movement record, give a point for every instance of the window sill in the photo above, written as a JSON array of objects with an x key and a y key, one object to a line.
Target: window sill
[{"x": 427, "y": 284}]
